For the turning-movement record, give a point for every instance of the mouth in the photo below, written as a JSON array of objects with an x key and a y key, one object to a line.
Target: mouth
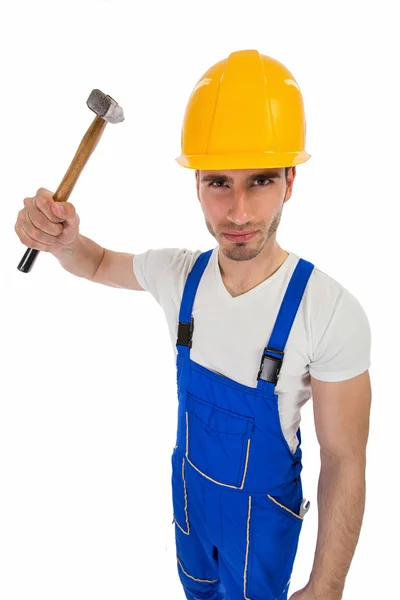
[{"x": 240, "y": 237}]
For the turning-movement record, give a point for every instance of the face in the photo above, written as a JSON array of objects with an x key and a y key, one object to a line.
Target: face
[{"x": 240, "y": 201}]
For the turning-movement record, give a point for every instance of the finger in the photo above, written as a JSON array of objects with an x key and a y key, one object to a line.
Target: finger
[
  {"x": 42, "y": 201},
  {"x": 34, "y": 232},
  {"x": 67, "y": 236},
  {"x": 38, "y": 234},
  {"x": 66, "y": 211},
  {"x": 56, "y": 212},
  {"x": 30, "y": 242},
  {"x": 40, "y": 219}
]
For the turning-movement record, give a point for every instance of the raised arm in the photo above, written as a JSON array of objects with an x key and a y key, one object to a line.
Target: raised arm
[{"x": 53, "y": 227}]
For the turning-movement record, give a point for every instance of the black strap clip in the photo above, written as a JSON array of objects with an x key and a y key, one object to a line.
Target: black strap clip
[
  {"x": 185, "y": 333},
  {"x": 270, "y": 366}
]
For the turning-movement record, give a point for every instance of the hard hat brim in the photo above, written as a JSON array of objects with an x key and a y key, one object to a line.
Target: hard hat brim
[{"x": 265, "y": 160}]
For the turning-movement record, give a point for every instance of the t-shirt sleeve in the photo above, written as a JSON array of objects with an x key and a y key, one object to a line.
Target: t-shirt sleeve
[
  {"x": 344, "y": 349},
  {"x": 163, "y": 271}
]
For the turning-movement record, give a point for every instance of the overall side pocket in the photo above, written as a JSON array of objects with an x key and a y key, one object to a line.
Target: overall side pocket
[
  {"x": 274, "y": 536},
  {"x": 179, "y": 492}
]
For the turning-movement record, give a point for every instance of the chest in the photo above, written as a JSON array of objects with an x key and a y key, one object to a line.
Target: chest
[{"x": 231, "y": 341}]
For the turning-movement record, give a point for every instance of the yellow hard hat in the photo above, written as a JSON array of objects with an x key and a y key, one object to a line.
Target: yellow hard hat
[{"x": 245, "y": 112}]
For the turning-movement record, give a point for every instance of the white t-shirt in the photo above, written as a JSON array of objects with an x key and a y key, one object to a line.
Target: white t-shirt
[{"x": 330, "y": 337}]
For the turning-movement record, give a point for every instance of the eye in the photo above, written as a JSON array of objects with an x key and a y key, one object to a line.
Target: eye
[
  {"x": 216, "y": 181},
  {"x": 263, "y": 179}
]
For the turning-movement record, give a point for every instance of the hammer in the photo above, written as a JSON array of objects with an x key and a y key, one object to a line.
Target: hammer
[{"x": 107, "y": 111}]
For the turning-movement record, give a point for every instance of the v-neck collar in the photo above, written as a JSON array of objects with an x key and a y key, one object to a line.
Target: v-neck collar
[{"x": 243, "y": 297}]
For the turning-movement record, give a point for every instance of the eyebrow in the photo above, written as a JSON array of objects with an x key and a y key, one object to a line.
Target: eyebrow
[{"x": 219, "y": 177}]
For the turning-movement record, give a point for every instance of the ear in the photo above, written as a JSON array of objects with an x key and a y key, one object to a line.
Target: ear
[
  {"x": 197, "y": 184},
  {"x": 289, "y": 185}
]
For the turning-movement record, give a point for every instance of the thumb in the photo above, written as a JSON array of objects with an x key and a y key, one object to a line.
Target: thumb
[{"x": 58, "y": 209}]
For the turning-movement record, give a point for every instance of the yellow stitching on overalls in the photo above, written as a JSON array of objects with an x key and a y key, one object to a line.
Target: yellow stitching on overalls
[
  {"x": 288, "y": 509},
  {"x": 187, "y": 434},
  {"x": 285, "y": 588},
  {"x": 183, "y": 531},
  {"x": 246, "y": 465},
  {"x": 186, "y": 502},
  {"x": 247, "y": 550},
  {"x": 234, "y": 487},
  {"x": 194, "y": 578}
]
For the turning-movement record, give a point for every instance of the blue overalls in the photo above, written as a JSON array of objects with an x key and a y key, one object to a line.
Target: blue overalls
[{"x": 236, "y": 484}]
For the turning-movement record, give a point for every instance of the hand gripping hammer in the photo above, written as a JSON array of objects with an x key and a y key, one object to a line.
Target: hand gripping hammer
[{"x": 107, "y": 111}]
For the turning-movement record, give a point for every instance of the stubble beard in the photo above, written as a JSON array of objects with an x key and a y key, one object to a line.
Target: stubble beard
[{"x": 241, "y": 250}]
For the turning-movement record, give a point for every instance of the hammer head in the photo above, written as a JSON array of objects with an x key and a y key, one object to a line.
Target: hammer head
[{"x": 104, "y": 106}]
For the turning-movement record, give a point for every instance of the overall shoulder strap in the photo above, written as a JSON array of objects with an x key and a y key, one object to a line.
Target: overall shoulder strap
[
  {"x": 272, "y": 358},
  {"x": 186, "y": 323}
]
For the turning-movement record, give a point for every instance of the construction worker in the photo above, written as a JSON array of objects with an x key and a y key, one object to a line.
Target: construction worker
[{"x": 257, "y": 331}]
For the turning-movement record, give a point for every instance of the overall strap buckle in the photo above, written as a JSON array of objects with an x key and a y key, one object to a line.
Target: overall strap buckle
[
  {"x": 270, "y": 366},
  {"x": 185, "y": 333}
]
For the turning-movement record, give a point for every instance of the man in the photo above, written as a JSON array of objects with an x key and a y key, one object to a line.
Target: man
[{"x": 257, "y": 331}]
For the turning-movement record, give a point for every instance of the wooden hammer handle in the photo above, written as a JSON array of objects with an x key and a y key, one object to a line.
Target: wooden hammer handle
[{"x": 86, "y": 147}]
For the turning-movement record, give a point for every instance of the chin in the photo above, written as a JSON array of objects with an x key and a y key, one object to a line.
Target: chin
[{"x": 240, "y": 251}]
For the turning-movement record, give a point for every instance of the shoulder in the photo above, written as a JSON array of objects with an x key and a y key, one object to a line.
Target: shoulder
[
  {"x": 339, "y": 329},
  {"x": 327, "y": 297},
  {"x": 160, "y": 260},
  {"x": 161, "y": 270}
]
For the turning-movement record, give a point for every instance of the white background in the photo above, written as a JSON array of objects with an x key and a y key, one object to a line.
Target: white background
[{"x": 87, "y": 387}]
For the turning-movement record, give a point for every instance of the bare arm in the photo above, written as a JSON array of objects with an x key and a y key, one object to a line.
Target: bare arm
[
  {"x": 81, "y": 258},
  {"x": 341, "y": 412},
  {"x": 87, "y": 259},
  {"x": 53, "y": 227}
]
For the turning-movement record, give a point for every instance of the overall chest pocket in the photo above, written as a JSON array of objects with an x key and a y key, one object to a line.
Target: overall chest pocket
[{"x": 218, "y": 442}]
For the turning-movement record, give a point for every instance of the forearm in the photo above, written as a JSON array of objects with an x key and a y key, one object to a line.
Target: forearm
[
  {"x": 81, "y": 258},
  {"x": 341, "y": 503}
]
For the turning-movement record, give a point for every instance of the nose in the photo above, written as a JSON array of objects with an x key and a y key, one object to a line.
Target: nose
[{"x": 240, "y": 211}]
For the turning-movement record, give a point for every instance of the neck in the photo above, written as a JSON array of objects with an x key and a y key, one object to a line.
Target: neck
[{"x": 241, "y": 276}]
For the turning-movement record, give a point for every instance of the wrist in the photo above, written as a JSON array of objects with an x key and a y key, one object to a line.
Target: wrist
[
  {"x": 67, "y": 249},
  {"x": 320, "y": 591}
]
